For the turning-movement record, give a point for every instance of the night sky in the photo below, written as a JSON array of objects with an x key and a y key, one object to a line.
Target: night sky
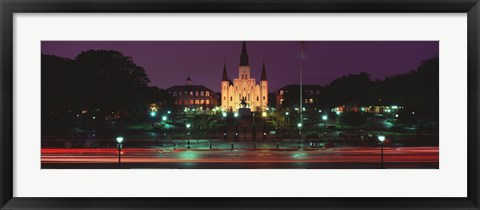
[{"x": 168, "y": 63}]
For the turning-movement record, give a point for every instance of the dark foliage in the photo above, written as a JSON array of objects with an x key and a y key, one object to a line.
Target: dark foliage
[{"x": 99, "y": 81}]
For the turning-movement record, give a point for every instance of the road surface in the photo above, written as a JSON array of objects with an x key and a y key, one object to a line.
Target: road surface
[{"x": 314, "y": 158}]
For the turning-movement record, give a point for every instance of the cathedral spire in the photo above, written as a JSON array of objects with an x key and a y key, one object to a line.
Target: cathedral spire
[
  {"x": 244, "y": 55},
  {"x": 224, "y": 76},
  {"x": 264, "y": 73}
]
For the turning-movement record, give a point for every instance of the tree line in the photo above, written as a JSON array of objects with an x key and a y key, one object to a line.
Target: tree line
[
  {"x": 417, "y": 91},
  {"x": 100, "y": 81}
]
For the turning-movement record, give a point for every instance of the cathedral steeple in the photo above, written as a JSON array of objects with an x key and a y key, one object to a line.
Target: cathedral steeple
[
  {"x": 264, "y": 73},
  {"x": 244, "y": 55},
  {"x": 224, "y": 76}
]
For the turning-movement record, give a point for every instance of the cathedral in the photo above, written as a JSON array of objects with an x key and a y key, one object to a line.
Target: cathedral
[{"x": 244, "y": 87}]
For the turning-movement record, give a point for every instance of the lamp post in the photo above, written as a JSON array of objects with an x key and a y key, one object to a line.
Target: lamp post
[
  {"x": 188, "y": 135},
  {"x": 236, "y": 125},
  {"x": 153, "y": 114},
  {"x": 119, "y": 148},
  {"x": 224, "y": 114},
  {"x": 381, "y": 139},
  {"x": 325, "y": 118},
  {"x": 299, "y": 125}
]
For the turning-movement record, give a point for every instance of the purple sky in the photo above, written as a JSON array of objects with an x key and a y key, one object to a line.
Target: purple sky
[{"x": 168, "y": 63}]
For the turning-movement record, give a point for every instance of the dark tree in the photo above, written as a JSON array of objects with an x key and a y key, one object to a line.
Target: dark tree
[
  {"x": 353, "y": 89},
  {"x": 99, "y": 81},
  {"x": 110, "y": 81}
]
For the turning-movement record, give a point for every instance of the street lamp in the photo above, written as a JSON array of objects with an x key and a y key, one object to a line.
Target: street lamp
[
  {"x": 119, "y": 148},
  {"x": 224, "y": 114},
  {"x": 325, "y": 118},
  {"x": 299, "y": 125},
  {"x": 188, "y": 135},
  {"x": 153, "y": 114},
  {"x": 164, "y": 118},
  {"x": 381, "y": 139}
]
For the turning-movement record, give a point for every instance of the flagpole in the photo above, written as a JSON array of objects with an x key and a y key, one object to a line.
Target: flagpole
[{"x": 301, "y": 89}]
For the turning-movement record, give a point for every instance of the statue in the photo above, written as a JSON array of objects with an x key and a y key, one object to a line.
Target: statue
[
  {"x": 244, "y": 109},
  {"x": 244, "y": 103}
]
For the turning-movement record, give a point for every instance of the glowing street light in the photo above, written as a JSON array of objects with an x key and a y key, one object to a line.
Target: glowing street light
[
  {"x": 164, "y": 118},
  {"x": 188, "y": 135},
  {"x": 153, "y": 114},
  {"x": 299, "y": 125},
  {"x": 287, "y": 113},
  {"x": 224, "y": 114},
  {"x": 325, "y": 118},
  {"x": 381, "y": 139},
  {"x": 119, "y": 148},
  {"x": 235, "y": 114},
  {"x": 169, "y": 112}
]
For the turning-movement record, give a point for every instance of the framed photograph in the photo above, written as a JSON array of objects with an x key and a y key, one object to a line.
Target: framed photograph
[{"x": 239, "y": 105}]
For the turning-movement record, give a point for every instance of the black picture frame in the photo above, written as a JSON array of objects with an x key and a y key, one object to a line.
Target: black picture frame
[{"x": 10, "y": 7}]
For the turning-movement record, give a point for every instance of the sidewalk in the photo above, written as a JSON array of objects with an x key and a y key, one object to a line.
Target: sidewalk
[{"x": 217, "y": 145}]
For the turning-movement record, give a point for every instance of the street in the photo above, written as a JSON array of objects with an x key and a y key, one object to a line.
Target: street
[{"x": 271, "y": 158}]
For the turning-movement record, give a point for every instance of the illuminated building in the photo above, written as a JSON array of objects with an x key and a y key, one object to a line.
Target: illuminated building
[
  {"x": 193, "y": 96},
  {"x": 289, "y": 96},
  {"x": 244, "y": 87}
]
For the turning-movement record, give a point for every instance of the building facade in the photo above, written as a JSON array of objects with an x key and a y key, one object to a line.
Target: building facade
[
  {"x": 193, "y": 96},
  {"x": 244, "y": 87},
  {"x": 288, "y": 97}
]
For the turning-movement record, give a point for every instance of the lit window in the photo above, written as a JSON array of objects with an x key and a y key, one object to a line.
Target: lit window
[
  {"x": 231, "y": 98},
  {"x": 196, "y": 93},
  {"x": 311, "y": 101},
  {"x": 191, "y": 102},
  {"x": 202, "y": 93},
  {"x": 180, "y": 102},
  {"x": 281, "y": 101},
  {"x": 191, "y": 93},
  {"x": 207, "y": 93},
  {"x": 202, "y": 101},
  {"x": 207, "y": 102},
  {"x": 258, "y": 98},
  {"x": 197, "y": 102},
  {"x": 185, "y": 102},
  {"x": 224, "y": 98},
  {"x": 264, "y": 98},
  {"x": 281, "y": 92}
]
